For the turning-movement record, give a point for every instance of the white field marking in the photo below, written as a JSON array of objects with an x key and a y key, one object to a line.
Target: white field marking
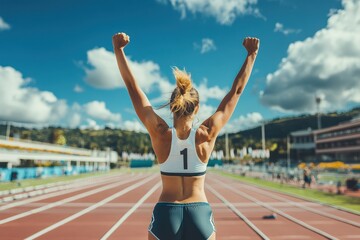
[
  {"x": 347, "y": 210},
  {"x": 52, "y": 187},
  {"x": 89, "y": 209},
  {"x": 56, "y": 184},
  {"x": 237, "y": 212},
  {"x": 128, "y": 213},
  {"x": 303, "y": 224},
  {"x": 47, "y": 188},
  {"x": 130, "y": 204},
  {"x": 4, "y": 192},
  {"x": 63, "y": 201},
  {"x": 84, "y": 204},
  {"x": 84, "y": 185},
  {"x": 300, "y": 205},
  {"x": 74, "y": 186}
]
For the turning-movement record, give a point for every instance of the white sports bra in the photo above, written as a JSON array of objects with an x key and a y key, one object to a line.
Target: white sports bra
[{"x": 183, "y": 159}]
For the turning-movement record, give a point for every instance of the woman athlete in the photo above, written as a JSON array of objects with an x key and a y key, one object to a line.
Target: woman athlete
[{"x": 183, "y": 212}]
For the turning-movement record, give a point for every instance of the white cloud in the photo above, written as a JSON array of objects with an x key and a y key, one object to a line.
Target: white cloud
[
  {"x": 28, "y": 105},
  {"x": 98, "y": 110},
  {"x": 24, "y": 104},
  {"x": 207, "y": 45},
  {"x": 206, "y": 92},
  {"x": 279, "y": 27},
  {"x": 91, "y": 124},
  {"x": 74, "y": 120},
  {"x": 19, "y": 102},
  {"x": 78, "y": 89},
  {"x": 242, "y": 122},
  {"x": 104, "y": 72},
  {"x": 327, "y": 64},
  {"x": 205, "y": 111},
  {"x": 4, "y": 25},
  {"x": 147, "y": 74},
  {"x": 224, "y": 11},
  {"x": 134, "y": 125}
]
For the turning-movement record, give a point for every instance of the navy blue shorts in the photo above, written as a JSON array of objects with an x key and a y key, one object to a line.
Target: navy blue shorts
[{"x": 179, "y": 221}]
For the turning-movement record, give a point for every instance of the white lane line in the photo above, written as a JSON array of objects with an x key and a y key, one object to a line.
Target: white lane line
[
  {"x": 86, "y": 210},
  {"x": 303, "y": 224},
  {"x": 128, "y": 213},
  {"x": 78, "y": 187},
  {"x": 60, "y": 185},
  {"x": 130, "y": 204},
  {"x": 285, "y": 201},
  {"x": 237, "y": 212},
  {"x": 63, "y": 201},
  {"x": 347, "y": 210}
]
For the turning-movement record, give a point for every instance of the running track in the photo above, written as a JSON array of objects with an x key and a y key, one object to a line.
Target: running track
[{"x": 119, "y": 207}]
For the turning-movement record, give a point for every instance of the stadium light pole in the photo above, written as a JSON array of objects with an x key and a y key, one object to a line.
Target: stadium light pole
[
  {"x": 226, "y": 146},
  {"x": 263, "y": 134},
  {"x": 288, "y": 152},
  {"x": 318, "y": 101},
  {"x": 8, "y": 126}
]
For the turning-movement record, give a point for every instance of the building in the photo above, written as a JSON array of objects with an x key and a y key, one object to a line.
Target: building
[
  {"x": 302, "y": 146},
  {"x": 339, "y": 143},
  {"x": 336, "y": 143},
  {"x": 13, "y": 151}
]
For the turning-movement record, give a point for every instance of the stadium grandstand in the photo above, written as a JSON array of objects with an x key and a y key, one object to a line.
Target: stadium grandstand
[{"x": 64, "y": 160}]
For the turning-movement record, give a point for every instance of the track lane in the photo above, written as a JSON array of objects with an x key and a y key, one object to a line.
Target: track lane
[
  {"x": 48, "y": 197},
  {"x": 325, "y": 210},
  {"x": 340, "y": 224},
  {"x": 48, "y": 232},
  {"x": 95, "y": 223},
  {"x": 56, "y": 201},
  {"x": 229, "y": 226},
  {"x": 38, "y": 221},
  {"x": 32, "y": 191},
  {"x": 273, "y": 229},
  {"x": 136, "y": 226},
  {"x": 131, "y": 211}
]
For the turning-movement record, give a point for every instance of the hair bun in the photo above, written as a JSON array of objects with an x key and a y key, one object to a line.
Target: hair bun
[{"x": 183, "y": 80}]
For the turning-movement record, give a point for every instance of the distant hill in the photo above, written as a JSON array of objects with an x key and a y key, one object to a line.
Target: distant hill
[
  {"x": 278, "y": 129},
  {"x": 117, "y": 139},
  {"x": 281, "y": 127},
  {"x": 123, "y": 140}
]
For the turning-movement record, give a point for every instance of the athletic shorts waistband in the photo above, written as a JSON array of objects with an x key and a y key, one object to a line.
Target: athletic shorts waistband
[{"x": 173, "y": 204}]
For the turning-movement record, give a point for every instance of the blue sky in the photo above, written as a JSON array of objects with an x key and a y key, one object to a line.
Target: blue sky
[{"x": 57, "y": 65}]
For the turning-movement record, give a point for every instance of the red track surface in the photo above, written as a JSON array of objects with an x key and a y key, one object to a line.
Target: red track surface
[{"x": 119, "y": 207}]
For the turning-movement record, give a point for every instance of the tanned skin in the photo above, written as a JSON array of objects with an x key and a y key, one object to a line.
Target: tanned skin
[{"x": 180, "y": 189}]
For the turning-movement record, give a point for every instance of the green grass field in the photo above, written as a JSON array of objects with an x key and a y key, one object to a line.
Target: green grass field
[{"x": 350, "y": 203}]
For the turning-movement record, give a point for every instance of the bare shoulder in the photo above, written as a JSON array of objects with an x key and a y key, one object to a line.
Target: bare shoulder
[
  {"x": 202, "y": 134},
  {"x": 158, "y": 126},
  {"x": 161, "y": 132},
  {"x": 161, "y": 142}
]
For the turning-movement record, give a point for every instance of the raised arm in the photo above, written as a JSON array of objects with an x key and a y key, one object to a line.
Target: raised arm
[
  {"x": 227, "y": 106},
  {"x": 141, "y": 103}
]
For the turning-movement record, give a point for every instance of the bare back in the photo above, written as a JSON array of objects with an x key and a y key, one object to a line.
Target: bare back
[{"x": 182, "y": 189}]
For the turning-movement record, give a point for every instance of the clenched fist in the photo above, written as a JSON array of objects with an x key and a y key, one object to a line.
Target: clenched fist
[
  {"x": 251, "y": 45},
  {"x": 120, "y": 40}
]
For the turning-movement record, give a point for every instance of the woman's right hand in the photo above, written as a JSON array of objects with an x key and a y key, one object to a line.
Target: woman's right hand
[
  {"x": 251, "y": 45},
  {"x": 120, "y": 40}
]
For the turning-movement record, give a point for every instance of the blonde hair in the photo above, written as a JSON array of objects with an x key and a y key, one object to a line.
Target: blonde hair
[{"x": 184, "y": 98}]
